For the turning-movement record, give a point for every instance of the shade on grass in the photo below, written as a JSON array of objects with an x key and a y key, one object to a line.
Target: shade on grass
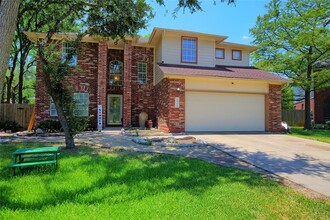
[{"x": 121, "y": 185}]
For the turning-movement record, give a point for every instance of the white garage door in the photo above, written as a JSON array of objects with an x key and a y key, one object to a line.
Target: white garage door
[{"x": 224, "y": 112}]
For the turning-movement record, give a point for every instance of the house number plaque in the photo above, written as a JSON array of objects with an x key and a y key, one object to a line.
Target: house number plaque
[{"x": 177, "y": 102}]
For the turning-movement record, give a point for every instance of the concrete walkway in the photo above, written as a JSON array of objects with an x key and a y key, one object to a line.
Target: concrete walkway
[{"x": 302, "y": 161}]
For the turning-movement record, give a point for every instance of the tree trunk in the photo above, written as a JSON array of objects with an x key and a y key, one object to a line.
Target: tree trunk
[
  {"x": 21, "y": 81},
  {"x": 308, "y": 124},
  {"x": 69, "y": 141},
  {"x": 8, "y": 20}
]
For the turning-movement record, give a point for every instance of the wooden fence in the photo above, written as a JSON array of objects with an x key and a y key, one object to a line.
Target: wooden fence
[
  {"x": 294, "y": 117},
  {"x": 21, "y": 113}
]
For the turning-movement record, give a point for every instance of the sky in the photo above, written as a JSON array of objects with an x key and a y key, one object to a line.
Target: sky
[{"x": 233, "y": 21}]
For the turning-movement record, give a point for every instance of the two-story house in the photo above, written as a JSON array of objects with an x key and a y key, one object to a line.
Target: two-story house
[{"x": 184, "y": 81}]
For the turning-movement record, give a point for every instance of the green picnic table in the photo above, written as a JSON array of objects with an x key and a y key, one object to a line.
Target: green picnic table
[{"x": 34, "y": 156}]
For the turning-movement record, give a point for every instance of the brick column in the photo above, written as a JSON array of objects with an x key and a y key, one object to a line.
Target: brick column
[
  {"x": 169, "y": 117},
  {"x": 274, "y": 108},
  {"x": 127, "y": 88},
  {"x": 102, "y": 78}
]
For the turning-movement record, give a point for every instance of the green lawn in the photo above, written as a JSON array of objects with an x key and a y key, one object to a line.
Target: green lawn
[
  {"x": 123, "y": 185},
  {"x": 316, "y": 134}
]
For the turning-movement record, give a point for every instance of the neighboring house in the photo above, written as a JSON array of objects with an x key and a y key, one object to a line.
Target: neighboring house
[
  {"x": 184, "y": 81},
  {"x": 301, "y": 106},
  {"x": 322, "y": 106}
]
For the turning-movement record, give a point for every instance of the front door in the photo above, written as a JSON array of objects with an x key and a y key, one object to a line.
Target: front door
[{"x": 115, "y": 113}]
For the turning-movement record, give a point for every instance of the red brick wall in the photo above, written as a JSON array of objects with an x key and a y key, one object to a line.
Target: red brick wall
[
  {"x": 83, "y": 81},
  {"x": 102, "y": 78},
  {"x": 142, "y": 94},
  {"x": 321, "y": 97},
  {"x": 169, "y": 118},
  {"x": 127, "y": 87},
  {"x": 274, "y": 108}
]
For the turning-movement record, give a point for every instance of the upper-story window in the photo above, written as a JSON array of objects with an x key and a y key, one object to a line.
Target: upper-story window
[
  {"x": 189, "y": 50},
  {"x": 142, "y": 73},
  {"x": 236, "y": 54},
  {"x": 116, "y": 73},
  {"x": 67, "y": 48},
  {"x": 220, "y": 53}
]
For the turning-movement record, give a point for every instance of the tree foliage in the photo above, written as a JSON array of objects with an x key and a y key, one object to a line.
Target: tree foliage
[
  {"x": 287, "y": 98},
  {"x": 294, "y": 36}
]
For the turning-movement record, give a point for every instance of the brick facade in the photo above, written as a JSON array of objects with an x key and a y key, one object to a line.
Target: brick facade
[
  {"x": 84, "y": 81},
  {"x": 102, "y": 78},
  {"x": 170, "y": 118},
  {"x": 322, "y": 98},
  {"x": 157, "y": 101},
  {"x": 273, "y": 108},
  {"x": 127, "y": 87},
  {"x": 143, "y": 99}
]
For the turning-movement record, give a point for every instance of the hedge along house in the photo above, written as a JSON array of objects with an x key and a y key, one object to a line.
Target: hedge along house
[{"x": 184, "y": 81}]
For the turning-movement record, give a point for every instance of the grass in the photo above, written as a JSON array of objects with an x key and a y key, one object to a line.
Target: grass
[
  {"x": 91, "y": 184},
  {"x": 316, "y": 134}
]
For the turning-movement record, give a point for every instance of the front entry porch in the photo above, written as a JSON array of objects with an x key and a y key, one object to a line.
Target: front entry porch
[{"x": 115, "y": 110}]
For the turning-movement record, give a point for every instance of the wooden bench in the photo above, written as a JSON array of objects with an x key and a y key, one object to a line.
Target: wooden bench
[{"x": 41, "y": 156}]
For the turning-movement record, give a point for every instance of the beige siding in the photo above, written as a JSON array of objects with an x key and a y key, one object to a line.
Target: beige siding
[
  {"x": 171, "y": 51},
  {"x": 226, "y": 85},
  {"x": 158, "y": 75},
  {"x": 230, "y": 62},
  {"x": 159, "y": 51}
]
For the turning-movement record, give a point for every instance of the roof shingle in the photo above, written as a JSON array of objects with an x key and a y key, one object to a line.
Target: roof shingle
[{"x": 220, "y": 71}]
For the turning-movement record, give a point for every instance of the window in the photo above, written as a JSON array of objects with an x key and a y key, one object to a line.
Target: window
[
  {"x": 67, "y": 48},
  {"x": 302, "y": 106},
  {"x": 237, "y": 55},
  {"x": 220, "y": 53},
  {"x": 142, "y": 73},
  {"x": 81, "y": 104},
  {"x": 189, "y": 50},
  {"x": 116, "y": 73},
  {"x": 52, "y": 110}
]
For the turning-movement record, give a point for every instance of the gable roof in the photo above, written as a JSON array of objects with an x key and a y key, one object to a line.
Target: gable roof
[{"x": 220, "y": 71}]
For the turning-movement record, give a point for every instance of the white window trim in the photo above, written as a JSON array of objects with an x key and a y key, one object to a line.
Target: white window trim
[
  {"x": 184, "y": 49},
  {"x": 74, "y": 57},
  {"x": 52, "y": 108},
  {"x": 79, "y": 104},
  {"x": 144, "y": 73}
]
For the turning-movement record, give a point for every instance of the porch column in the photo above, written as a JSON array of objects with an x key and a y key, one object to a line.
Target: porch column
[
  {"x": 127, "y": 88},
  {"x": 274, "y": 108},
  {"x": 102, "y": 78}
]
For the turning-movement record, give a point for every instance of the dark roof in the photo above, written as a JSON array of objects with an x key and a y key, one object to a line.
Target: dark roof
[{"x": 219, "y": 71}]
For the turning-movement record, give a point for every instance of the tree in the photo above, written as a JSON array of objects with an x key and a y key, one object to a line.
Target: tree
[
  {"x": 294, "y": 35},
  {"x": 8, "y": 17},
  {"x": 287, "y": 98},
  {"x": 110, "y": 19}
]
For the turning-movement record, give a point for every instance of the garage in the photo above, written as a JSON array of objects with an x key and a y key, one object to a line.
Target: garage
[{"x": 215, "y": 111}]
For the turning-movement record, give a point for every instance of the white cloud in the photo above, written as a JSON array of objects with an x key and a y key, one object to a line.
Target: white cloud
[{"x": 245, "y": 37}]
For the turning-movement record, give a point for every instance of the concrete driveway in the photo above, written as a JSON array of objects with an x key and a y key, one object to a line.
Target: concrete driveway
[{"x": 302, "y": 161}]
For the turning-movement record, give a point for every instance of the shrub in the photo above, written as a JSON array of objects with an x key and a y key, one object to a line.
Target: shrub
[
  {"x": 320, "y": 126},
  {"x": 50, "y": 126},
  {"x": 9, "y": 125},
  {"x": 328, "y": 125}
]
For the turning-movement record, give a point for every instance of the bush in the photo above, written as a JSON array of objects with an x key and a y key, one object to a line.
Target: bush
[
  {"x": 321, "y": 126},
  {"x": 328, "y": 125},
  {"x": 50, "y": 126},
  {"x": 9, "y": 125}
]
